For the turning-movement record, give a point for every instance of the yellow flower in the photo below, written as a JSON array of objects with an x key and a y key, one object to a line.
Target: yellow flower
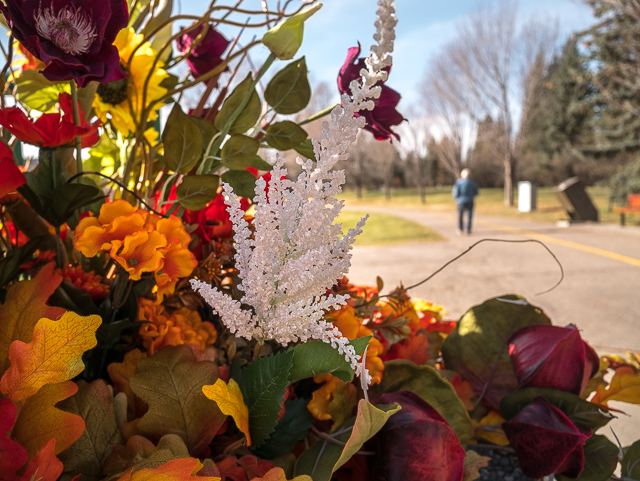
[
  {"x": 115, "y": 100},
  {"x": 184, "y": 326},
  {"x": 139, "y": 252}
]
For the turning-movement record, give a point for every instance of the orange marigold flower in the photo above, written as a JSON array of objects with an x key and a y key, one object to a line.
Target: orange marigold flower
[
  {"x": 116, "y": 221},
  {"x": 89, "y": 282},
  {"x": 184, "y": 326},
  {"x": 178, "y": 262},
  {"x": 139, "y": 252}
]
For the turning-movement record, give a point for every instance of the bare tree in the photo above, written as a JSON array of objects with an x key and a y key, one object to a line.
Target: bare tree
[{"x": 495, "y": 68}]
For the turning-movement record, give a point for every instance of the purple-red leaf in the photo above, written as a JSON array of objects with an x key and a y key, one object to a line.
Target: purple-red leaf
[
  {"x": 552, "y": 357},
  {"x": 416, "y": 443},
  {"x": 546, "y": 441}
]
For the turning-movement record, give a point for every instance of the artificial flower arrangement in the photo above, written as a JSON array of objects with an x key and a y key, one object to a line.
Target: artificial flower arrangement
[{"x": 156, "y": 325}]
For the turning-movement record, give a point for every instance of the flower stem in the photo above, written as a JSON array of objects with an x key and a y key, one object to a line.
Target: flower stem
[{"x": 76, "y": 121}]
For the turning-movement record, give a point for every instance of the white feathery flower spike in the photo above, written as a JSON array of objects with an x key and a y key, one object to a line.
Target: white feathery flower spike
[{"x": 297, "y": 252}]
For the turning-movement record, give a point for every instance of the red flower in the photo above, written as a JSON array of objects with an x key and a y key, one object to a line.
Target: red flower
[
  {"x": 384, "y": 115},
  {"x": 546, "y": 441},
  {"x": 50, "y": 130},
  {"x": 10, "y": 176},
  {"x": 207, "y": 54},
  {"x": 552, "y": 357},
  {"x": 74, "y": 38}
]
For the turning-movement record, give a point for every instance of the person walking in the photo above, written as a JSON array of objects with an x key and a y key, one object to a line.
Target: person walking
[{"x": 464, "y": 192}]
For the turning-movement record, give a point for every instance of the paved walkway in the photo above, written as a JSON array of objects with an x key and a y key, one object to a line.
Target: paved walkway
[{"x": 600, "y": 292}]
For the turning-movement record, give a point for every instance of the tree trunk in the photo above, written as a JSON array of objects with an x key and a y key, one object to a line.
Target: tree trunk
[{"x": 508, "y": 181}]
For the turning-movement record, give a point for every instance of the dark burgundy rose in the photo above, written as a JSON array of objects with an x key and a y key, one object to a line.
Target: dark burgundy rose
[
  {"x": 546, "y": 441},
  {"x": 415, "y": 443},
  {"x": 553, "y": 357},
  {"x": 74, "y": 38},
  {"x": 384, "y": 115},
  {"x": 208, "y": 53}
]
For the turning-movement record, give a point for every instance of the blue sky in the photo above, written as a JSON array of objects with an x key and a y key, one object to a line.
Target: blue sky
[{"x": 424, "y": 27}]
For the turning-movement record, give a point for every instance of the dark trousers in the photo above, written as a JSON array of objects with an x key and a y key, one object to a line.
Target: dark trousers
[{"x": 468, "y": 206}]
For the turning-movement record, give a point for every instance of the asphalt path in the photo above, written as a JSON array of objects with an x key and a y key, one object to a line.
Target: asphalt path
[{"x": 600, "y": 292}]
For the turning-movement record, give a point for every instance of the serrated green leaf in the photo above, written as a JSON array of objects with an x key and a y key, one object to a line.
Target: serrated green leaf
[
  {"x": 285, "y": 135},
  {"x": 263, "y": 384},
  {"x": 242, "y": 182},
  {"x": 289, "y": 91},
  {"x": 249, "y": 115},
  {"x": 289, "y": 431},
  {"x": 631, "y": 462},
  {"x": 195, "y": 191},
  {"x": 306, "y": 150},
  {"x": 260, "y": 164},
  {"x": 477, "y": 348},
  {"x": 581, "y": 412},
  {"x": 600, "y": 460},
  {"x": 324, "y": 458},
  {"x": 182, "y": 141},
  {"x": 426, "y": 382},
  {"x": 316, "y": 357},
  {"x": 239, "y": 151}
]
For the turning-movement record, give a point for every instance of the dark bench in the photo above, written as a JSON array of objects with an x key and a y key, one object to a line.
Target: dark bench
[{"x": 632, "y": 207}]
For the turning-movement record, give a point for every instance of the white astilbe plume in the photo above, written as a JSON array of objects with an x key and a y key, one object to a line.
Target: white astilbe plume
[{"x": 297, "y": 252}]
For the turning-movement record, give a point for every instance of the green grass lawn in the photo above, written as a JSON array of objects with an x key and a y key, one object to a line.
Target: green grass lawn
[
  {"x": 490, "y": 202},
  {"x": 386, "y": 229}
]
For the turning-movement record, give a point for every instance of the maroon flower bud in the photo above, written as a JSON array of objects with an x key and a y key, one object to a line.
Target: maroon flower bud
[
  {"x": 546, "y": 441},
  {"x": 384, "y": 115},
  {"x": 207, "y": 54},
  {"x": 552, "y": 357},
  {"x": 74, "y": 38},
  {"x": 415, "y": 443}
]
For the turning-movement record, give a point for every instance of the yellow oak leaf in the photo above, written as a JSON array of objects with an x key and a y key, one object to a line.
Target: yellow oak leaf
[
  {"x": 231, "y": 403},
  {"x": 176, "y": 470},
  {"x": 624, "y": 387},
  {"x": 54, "y": 355},
  {"x": 26, "y": 304},
  {"x": 39, "y": 420},
  {"x": 489, "y": 429}
]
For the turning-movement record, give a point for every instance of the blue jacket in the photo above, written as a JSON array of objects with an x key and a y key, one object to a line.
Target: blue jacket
[{"x": 464, "y": 190}]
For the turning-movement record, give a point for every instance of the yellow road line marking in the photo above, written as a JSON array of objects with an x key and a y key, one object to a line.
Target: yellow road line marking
[{"x": 565, "y": 243}]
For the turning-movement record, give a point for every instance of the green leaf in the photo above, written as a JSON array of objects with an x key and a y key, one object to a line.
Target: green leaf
[
  {"x": 207, "y": 129},
  {"x": 316, "y": 357},
  {"x": 631, "y": 462},
  {"x": 182, "y": 141},
  {"x": 259, "y": 164},
  {"x": 426, "y": 382},
  {"x": 289, "y": 91},
  {"x": 242, "y": 182},
  {"x": 324, "y": 458},
  {"x": 581, "y": 412},
  {"x": 477, "y": 349},
  {"x": 249, "y": 115},
  {"x": 36, "y": 92},
  {"x": 306, "y": 150},
  {"x": 285, "y": 135},
  {"x": 195, "y": 191},
  {"x": 263, "y": 384},
  {"x": 289, "y": 431},
  {"x": 13, "y": 259},
  {"x": 239, "y": 151},
  {"x": 600, "y": 460}
]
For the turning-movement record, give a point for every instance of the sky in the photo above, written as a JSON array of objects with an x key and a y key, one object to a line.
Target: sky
[{"x": 424, "y": 26}]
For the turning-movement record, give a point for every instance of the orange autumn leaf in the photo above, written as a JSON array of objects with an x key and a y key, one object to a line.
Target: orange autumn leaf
[
  {"x": 26, "y": 304},
  {"x": 415, "y": 349},
  {"x": 231, "y": 403},
  {"x": 120, "y": 374},
  {"x": 45, "y": 466},
  {"x": 624, "y": 387},
  {"x": 39, "y": 420},
  {"x": 54, "y": 355},
  {"x": 465, "y": 392},
  {"x": 176, "y": 470}
]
